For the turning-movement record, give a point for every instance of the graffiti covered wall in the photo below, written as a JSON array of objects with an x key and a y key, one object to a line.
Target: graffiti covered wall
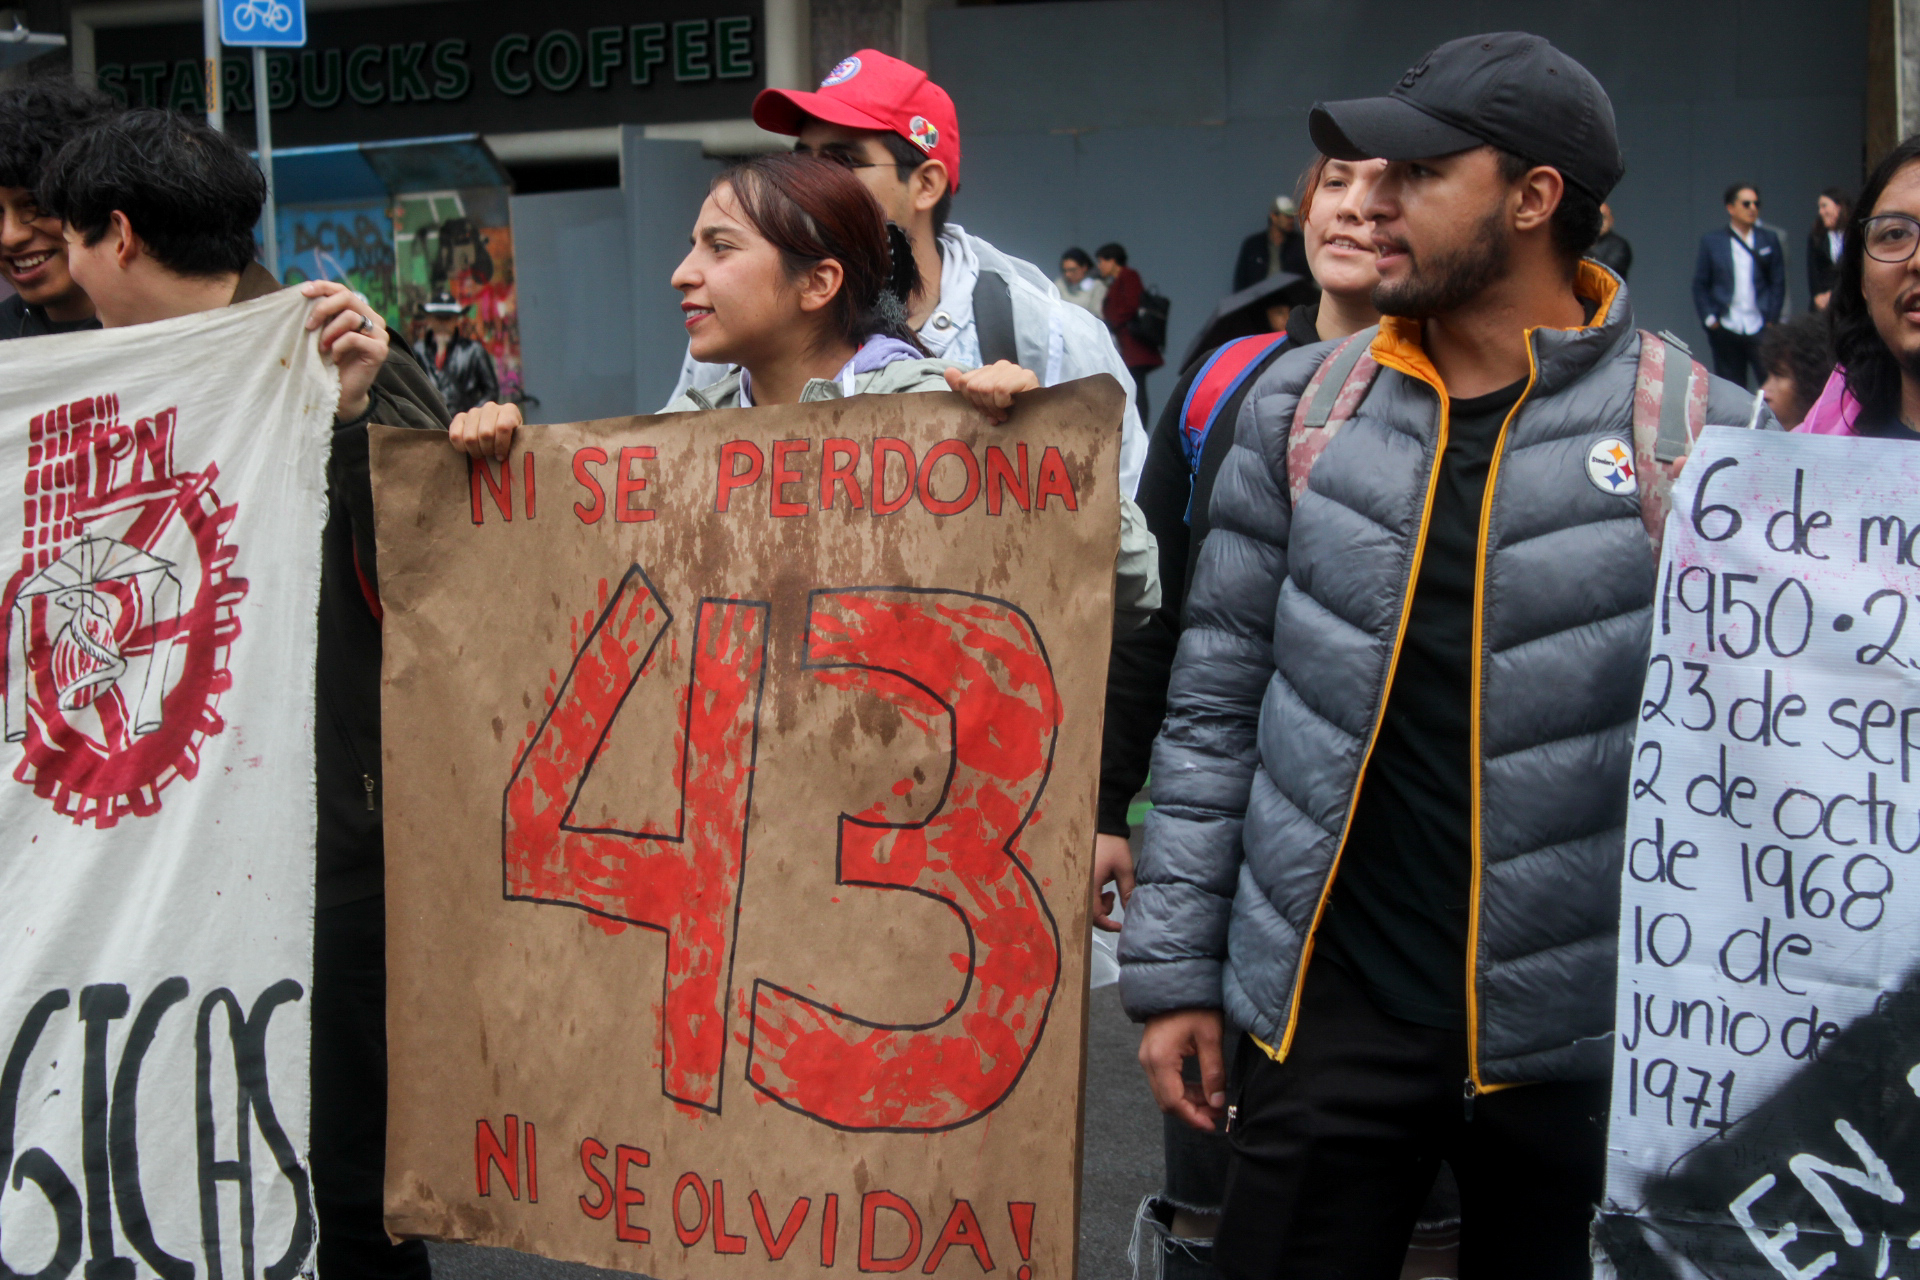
[
  {"x": 351, "y": 242},
  {"x": 461, "y": 241},
  {"x": 402, "y": 250}
]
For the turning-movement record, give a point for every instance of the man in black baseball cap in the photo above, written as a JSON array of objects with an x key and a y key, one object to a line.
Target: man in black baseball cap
[
  {"x": 1478, "y": 125},
  {"x": 1508, "y": 90},
  {"x": 1433, "y": 642}
]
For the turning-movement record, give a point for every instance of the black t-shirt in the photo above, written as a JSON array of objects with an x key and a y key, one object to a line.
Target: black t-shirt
[
  {"x": 1397, "y": 920},
  {"x": 1888, "y": 428},
  {"x": 18, "y": 320}
]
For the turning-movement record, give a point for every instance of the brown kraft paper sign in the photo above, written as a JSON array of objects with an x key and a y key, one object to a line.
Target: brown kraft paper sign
[{"x": 739, "y": 780}]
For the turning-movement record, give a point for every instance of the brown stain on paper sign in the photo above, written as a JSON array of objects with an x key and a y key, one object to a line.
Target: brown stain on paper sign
[{"x": 728, "y": 919}]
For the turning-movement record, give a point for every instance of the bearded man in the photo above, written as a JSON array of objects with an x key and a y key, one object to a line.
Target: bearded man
[{"x": 1391, "y": 788}]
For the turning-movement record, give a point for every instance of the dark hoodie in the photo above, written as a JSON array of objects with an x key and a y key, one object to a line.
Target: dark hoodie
[
  {"x": 346, "y": 730},
  {"x": 1142, "y": 660},
  {"x": 20, "y": 319}
]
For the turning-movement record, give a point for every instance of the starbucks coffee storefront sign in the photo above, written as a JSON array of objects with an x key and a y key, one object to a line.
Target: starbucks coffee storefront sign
[{"x": 417, "y": 70}]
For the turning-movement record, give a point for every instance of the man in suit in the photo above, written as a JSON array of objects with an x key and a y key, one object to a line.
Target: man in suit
[{"x": 1739, "y": 286}]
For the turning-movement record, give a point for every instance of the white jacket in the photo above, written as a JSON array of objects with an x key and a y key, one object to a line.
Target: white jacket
[{"x": 1057, "y": 340}]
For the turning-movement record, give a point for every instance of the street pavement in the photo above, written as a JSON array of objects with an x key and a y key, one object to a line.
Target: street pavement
[{"x": 1119, "y": 1163}]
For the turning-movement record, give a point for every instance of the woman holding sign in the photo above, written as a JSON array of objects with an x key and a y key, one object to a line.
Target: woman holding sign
[
  {"x": 792, "y": 280},
  {"x": 797, "y": 280}
]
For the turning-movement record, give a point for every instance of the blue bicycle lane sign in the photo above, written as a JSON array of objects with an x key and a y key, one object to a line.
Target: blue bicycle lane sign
[{"x": 273, "y": 24}]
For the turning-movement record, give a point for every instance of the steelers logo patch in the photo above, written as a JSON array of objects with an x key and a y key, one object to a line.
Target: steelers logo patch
[
  {"x": 845, "y": 70},
  {"x": 924, "y": 134},
  {"x": 1610, "y": 467}
]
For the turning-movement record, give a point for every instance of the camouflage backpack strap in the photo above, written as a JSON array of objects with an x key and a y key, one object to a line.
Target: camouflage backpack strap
[
  {"x": 1326, "y": 402},
  {"x": 1669, "y": 409}
]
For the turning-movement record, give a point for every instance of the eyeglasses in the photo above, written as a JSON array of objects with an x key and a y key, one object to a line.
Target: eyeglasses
[
  {"x": 1890, "y": 237},
  {"x": 842, "y": 158},
  {"x": 1748, "y": 204}
]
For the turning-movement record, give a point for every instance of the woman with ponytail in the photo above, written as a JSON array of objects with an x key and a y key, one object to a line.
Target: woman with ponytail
[
  {"x": 798, "y": 283},
  {"x": 792, "y": 281}
]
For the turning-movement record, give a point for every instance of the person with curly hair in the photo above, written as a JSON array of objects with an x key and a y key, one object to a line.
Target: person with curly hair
[{"x": 36, "y": 120}]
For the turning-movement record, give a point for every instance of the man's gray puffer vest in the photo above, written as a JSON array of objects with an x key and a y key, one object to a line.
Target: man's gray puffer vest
[{"x": 1294, "y": 623}]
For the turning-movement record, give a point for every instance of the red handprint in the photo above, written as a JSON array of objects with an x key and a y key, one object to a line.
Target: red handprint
[
  {"x": 978, "y": 663},
  {"x": 686, "y": 882}
]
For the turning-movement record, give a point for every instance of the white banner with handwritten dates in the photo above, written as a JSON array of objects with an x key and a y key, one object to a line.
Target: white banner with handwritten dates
[{"x": 1766, "y": 1080}]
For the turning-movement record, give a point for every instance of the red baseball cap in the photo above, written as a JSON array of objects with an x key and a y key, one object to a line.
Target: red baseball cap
[{"x": 872, "y": 91}]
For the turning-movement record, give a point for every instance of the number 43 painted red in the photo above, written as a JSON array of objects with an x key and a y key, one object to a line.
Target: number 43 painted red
[{"x": 975, "y": 663}]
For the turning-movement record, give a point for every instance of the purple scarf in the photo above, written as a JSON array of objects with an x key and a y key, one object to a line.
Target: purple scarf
[{"x": 877, "y": 352}]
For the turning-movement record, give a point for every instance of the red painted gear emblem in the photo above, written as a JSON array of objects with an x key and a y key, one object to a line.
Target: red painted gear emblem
[{"x": 121, "y": 615}]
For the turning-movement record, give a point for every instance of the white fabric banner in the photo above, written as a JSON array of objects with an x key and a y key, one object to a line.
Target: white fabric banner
[
  {"x": 165, "y": 489},
  {"x": 1767, "y": 1049}
]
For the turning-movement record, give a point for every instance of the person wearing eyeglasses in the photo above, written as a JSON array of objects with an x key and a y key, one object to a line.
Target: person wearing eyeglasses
[
  {"x": 900, "y": 135},
  {"x": 1875, "y": 308},
  {"x": 1739, "y": 286}
]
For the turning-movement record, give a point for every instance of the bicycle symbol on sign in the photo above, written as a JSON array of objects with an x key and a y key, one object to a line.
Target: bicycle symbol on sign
[{"x": 271, "y": 14}]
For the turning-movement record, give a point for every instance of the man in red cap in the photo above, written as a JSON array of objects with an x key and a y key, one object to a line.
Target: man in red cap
[{"x": 896, "y": 129}]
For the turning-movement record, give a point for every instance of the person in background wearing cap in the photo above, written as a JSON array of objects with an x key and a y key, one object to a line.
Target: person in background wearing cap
[
  {"x": 897, "y": 131},
  {"x": 1391, "y": 788},
  {"x": 461, "y": 369},
  {"x": 1279, "y": 248}
]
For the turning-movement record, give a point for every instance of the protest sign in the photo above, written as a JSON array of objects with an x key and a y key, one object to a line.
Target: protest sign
[
  {"x": 1767, "y": 1058},
  {"x": 157, "y": 808},
  {"x": 741, "y": 772}
]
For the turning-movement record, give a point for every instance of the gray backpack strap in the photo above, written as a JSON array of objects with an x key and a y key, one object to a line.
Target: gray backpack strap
[
  {"x": 1674, "y": 438},
  {"x": 993, "y": 319},
  {"x": 1326, "y": 403},
  {"x": 1669, "y": 409},
  {"x": 1334, "y": 377}
]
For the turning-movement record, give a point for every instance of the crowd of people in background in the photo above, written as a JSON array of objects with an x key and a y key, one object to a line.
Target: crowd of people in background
[
  {"x": 1446, "y": 271},
  {"x": 1739, "y": 291}
]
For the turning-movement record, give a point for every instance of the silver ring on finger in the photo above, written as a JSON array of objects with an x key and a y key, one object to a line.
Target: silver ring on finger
[{"x": 366, "y": 324}]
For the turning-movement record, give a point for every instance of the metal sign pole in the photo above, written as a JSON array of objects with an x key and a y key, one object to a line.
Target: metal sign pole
[
  {"x": 263, "y": 120},
  {"x": 210, "y": 37}
]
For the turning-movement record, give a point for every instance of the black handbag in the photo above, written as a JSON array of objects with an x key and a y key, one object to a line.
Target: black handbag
[{"x": 1149, "y": 323}]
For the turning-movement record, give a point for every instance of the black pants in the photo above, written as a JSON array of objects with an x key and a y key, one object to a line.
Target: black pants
[
  {"x": 1140, "y": 373},
  {"x": 349, "y": 1139},
  {"x": 1736, "y": 353},
  {"x": 1334, "y": 1152}
]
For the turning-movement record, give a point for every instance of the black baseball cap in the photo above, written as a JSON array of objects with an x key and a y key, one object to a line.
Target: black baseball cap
[{"x": 1507, "y": 89}]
